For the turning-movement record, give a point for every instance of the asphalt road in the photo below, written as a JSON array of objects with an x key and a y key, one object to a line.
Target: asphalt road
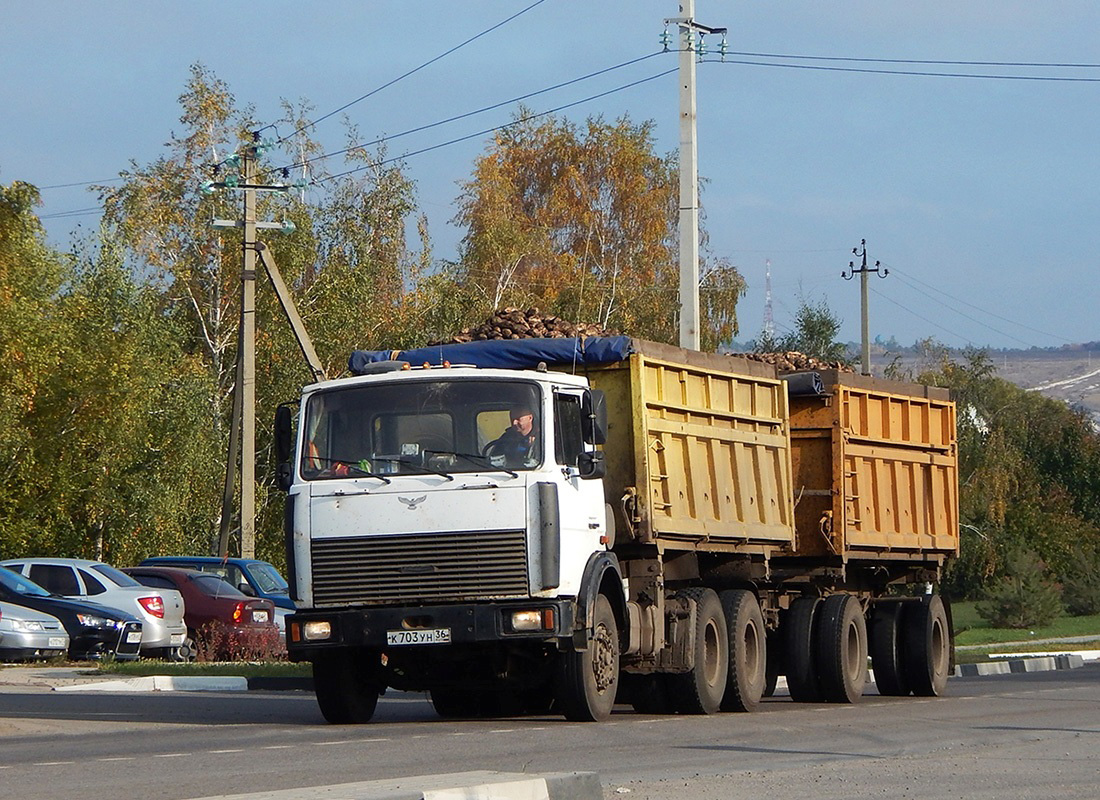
[{"x": 1020, "y": 736}]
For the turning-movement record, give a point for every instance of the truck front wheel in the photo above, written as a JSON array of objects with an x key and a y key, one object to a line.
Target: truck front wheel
[
  {"x": 587, "y": 681},
  {"x": 347, "y": 686}
]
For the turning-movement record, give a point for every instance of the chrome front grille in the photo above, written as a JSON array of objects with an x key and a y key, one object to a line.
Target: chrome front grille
[{"x": 419, "y": 567}]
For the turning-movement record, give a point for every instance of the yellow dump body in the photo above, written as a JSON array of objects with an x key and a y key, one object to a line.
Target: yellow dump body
[
  {"x": 875, "y": 470},
  {"x": 699, "y": 448}
]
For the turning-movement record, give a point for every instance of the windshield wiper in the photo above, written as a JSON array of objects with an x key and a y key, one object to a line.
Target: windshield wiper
[
  {"x": 477, "y": 459},
  {"x": 354, "y": 468},
  {"x": 422, "y": 467}
]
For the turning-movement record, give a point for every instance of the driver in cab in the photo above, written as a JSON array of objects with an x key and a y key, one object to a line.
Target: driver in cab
[{"x": 518, "y": 445}]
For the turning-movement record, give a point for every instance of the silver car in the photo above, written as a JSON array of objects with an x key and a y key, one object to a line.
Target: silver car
[
  {"x": 160, "y": 610},
  {"x": 26, "y": 634}
]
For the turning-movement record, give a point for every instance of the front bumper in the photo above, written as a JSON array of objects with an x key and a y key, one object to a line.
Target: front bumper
[
  {"x": 26, "y": 645},
  {"x": 467, "y": 623}
]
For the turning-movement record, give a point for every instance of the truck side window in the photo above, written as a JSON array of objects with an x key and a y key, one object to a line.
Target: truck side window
[{"x": 568, "y": 444}]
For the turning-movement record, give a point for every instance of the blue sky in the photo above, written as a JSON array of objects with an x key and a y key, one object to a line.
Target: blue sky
[{"x": 980, "y": 195}]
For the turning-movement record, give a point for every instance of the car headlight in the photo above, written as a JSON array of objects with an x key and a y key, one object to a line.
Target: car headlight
[
  {"x": 27, "y": 625},
  {"x": 95, "y": 621}
]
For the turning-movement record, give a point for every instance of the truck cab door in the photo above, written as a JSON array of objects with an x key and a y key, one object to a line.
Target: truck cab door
[{"x": 581, "y": 499}]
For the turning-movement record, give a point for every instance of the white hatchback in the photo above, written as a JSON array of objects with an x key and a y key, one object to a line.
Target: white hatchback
[{"x": 160, "y": 610}]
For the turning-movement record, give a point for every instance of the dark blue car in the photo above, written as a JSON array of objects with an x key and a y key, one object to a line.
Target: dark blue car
[{"x": 253, "y": 577}]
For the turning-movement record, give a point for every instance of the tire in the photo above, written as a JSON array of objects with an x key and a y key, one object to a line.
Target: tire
[
  {"x": 927, "y": 647},
  {"x": 798, "y": 644},
  {"x": 457, "y": 703},
  {"x": 587, "y": 681},
  {"x": 185, "y": 652},
  {"x": 887, "y": 659},
  {"x": 648, "y": 694},
  {"x": 748, "y": 651},
  {"x": 701, "y": 689},
  {"x": 347, "y": 687},
  {"x": 840, "y": 635}
]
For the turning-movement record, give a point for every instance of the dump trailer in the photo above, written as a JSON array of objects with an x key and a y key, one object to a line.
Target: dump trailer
[{"x": 562, "y": 524}]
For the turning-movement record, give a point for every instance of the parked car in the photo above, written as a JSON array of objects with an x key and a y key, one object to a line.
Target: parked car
[
  {"x": 26, "y": 634},
  {"x": 210, "y": 599},
  {"x": 251, "y": 576},
  {"x": 95, "y": 631},
  {"x": 161, "y": 612}
]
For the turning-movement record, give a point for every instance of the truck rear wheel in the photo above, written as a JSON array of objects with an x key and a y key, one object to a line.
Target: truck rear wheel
[
  {"x": 587, "y": 681},
  {"x": 700, "y": 690},
  {"x": 927, "y": 639},
  {"x": 886, "y": 645},
  {"x": 798, "y": 643},
  {"x": 841, "y": 642},
  {"x": 347, "y": 686},
  {"x": 747, "y": 679}
]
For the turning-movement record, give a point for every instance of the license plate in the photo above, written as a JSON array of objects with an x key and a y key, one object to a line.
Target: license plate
[
  {"x": 57, "y": 641},
  {"x": 437, "y": 636},
  {"x": 133, "y": 637},
  {"x": 177, "y": 638},
  {"x": 259, "y": 616}
]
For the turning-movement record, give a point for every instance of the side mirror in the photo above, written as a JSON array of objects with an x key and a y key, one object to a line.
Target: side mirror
[
  {"x": 284, "y": 445},
  {"x": 594, "y": 417},
  {"x": 591, "y": 466}
]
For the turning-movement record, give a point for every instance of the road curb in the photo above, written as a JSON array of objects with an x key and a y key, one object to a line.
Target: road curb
[
  {"x": 1018, "y": 665},
  {"x": 284, "y": 684},
  {"x": 161, "y": 683},
  {"x": 482, "y": 785}
]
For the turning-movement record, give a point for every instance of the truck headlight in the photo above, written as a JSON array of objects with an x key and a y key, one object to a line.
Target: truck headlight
[
  {"x": 535, "y": 619},
  {"x": 317, "y": 630}
]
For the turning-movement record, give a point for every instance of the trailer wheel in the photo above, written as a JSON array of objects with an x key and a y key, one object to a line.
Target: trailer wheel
[
  {"x": 587, "y": 681},
  {"x": 887, "y": 660},
  {"x": 347, "y": 687},
  {"x": 747, "y": 651},
  {"x": 798, "y": 641},
  {"x": 700, "y": 690},
  {"x": 927, "y": 640},
  {"x": 841, "y": 641}
]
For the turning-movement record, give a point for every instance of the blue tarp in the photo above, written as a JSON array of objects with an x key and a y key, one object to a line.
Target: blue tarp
[{"x": 505, "y": 353}]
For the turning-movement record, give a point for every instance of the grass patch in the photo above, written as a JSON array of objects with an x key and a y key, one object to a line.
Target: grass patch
[
  {"x": 971, "y": 629},
  {"x": 247, "y": 669}
]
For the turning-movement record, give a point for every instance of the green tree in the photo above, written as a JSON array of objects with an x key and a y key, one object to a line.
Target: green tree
[
  {"x": 1022, "y": 597},
  {"x": 32, "y": 335},
  {"x": 347, "y": 264},
  {"x": 582, "y": 221},
  {"x": 815, "y": 331}
]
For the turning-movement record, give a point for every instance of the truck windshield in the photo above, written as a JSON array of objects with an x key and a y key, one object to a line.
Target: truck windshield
[{"x": 422, "y": 427}]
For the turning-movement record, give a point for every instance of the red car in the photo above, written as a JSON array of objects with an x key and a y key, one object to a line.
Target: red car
[{"x": 215, "y": 611}]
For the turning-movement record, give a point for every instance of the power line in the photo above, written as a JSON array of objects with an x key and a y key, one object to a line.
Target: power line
[
  {"x": 482, "y": 110},
  {"x": 80, "y": 212},
  {"x": 918, "y": 316},
  {"x": 413, "y": 71},
  {"x": 905, "y": 276},
  {"x": 1043, "y": 64},
  {"x": 511, "y": 124},
  {"x": 977, "y": 75},
  {"x": 80, "y": 183},
  {"x": 967, "y": 317}
]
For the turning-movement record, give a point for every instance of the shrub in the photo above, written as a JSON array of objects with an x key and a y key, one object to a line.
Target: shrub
[
  {"x": 216, "y": 641},
  {"x": 1081, "y": 586},
  {"x": 1022, "y": 597}
]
